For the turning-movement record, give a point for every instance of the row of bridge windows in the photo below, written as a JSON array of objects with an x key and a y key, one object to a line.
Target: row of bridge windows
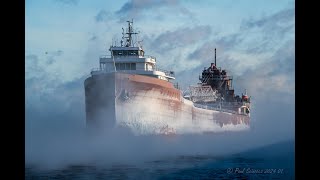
[
  {"x": 125, "y": 66},
  {"x": 127, "y": 53}
]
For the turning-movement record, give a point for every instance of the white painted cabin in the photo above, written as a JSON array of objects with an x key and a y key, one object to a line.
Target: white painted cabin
[{"x": 130, "y": 59}]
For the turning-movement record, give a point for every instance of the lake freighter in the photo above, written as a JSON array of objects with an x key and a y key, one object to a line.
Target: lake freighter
[{"x": 129, "y": 90}]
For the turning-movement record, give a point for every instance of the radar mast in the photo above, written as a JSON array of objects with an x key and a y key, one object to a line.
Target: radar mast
[{"x": 129, "y": 32}]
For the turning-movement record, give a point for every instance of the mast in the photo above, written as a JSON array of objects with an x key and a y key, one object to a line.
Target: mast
[
  {"x": 129, "y": 32},
  {"x": 215, "y": 57}
]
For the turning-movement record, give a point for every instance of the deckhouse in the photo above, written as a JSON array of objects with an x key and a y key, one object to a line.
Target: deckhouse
[{"x": 131, "y": 59}]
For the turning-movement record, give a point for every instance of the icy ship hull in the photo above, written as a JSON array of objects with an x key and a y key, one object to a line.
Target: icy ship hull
[{"x": 147, "y": 105}]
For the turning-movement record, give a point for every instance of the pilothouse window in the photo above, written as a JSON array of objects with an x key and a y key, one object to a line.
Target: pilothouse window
[
  {"x": 127, "y": 53},
  {"x": 117, "y": 53},
  {"x": 125, "y": 66},
  {"x": 132, "y": 53}
]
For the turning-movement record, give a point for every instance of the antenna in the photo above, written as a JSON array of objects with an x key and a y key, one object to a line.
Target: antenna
[
  {"x": 112, "y": 42},
  {"x": 215, "y": 57},
  {"x": 129, "y": 32},
  {"x": 140, "y": 43}
]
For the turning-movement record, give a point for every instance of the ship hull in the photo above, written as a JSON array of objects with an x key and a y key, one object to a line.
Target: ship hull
[{"x": 147, "y": 105}]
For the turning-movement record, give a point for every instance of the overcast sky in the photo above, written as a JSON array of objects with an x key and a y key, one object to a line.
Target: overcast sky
[{"x": 255, "y": 41}]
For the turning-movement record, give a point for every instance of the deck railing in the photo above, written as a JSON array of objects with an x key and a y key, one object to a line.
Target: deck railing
[
  {"x": 214, "y": 108},
  {"x": 126, "y": 56},
  {"x": 166, "y": 72}
]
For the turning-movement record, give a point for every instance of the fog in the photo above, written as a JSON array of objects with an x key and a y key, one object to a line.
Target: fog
[
  {"x": 56, "y": 135},
  {"x": 258, "y": 52}
]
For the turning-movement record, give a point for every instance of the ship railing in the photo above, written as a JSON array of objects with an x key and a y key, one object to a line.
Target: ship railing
[
  {"x": 126, "y": 56},
  {"x": 232, "y": 103},
  {"x": 95, "y": 71},
  {"x": 214, "y": 108},
  {"x": 206, "y": 78},
  {"x": 166, "y": 72},
  {"x": 236, "y": 103},
  {"x": 105, "y": 56}
]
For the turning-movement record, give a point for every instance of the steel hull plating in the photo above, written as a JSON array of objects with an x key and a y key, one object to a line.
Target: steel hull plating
[{"x": 148, "y": 105}]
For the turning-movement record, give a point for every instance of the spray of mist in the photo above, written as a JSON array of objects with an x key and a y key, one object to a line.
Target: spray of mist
[{"x": 61, "y": 140}]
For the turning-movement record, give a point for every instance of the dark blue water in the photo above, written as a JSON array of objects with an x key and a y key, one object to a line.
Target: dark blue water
[{"x": 276, "y": 161}]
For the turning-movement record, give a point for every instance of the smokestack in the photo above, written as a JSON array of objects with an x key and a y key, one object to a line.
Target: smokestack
[{"x": 215, "y": 57}]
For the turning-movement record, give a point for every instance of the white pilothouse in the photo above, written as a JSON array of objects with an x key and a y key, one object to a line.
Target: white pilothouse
[{"x": 131, "y": 59}]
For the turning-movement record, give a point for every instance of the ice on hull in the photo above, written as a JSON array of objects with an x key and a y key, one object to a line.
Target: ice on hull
[{"x": 150, "y": 106}]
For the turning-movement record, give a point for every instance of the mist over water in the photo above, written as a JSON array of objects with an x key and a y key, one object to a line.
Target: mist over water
[
  {"x": 57, "y": 139},
  {"x": 67, "y": 142},
  {"x": 59, "y": 149},
  {"x": 255, "y": 44},
  {"x": 58, "y": 144}
]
